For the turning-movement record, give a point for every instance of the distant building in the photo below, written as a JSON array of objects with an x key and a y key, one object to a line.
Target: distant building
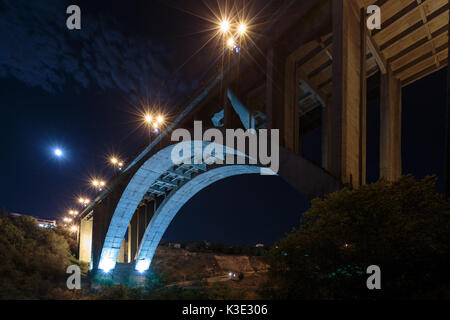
[
  {"x": 207, "y": 244},
  {"x": 175, "y": 245},
  {"x": 259, "y": 245},
  {"x": 43, "y": 223}
]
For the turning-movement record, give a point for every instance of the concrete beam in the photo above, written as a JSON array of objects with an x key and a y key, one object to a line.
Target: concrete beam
[
  {"x": 377, "y": 54},
  {"x": 248, "y": 121}
]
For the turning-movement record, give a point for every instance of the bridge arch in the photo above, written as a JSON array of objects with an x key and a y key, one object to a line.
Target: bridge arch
[
  {"x": 152, "y": 173},
  {"x": 172, "y": 205}
]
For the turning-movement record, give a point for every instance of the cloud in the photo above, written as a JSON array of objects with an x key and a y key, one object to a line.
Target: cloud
[{"x": 38, "y": 49}]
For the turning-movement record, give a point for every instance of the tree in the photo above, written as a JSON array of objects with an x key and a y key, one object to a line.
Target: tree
[
  {"x": 403, "y": 227},
  {"x": 33, "y": 260}
]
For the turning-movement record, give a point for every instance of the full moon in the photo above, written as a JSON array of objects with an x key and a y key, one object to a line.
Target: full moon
[{"x": 58, "y": 152}]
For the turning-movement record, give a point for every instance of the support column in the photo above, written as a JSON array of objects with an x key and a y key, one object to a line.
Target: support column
[
  {"x": 325, "y": 137},
  {"x": 447, "y": 144},
  {"x": 291, "y": 116},
  {"x": 390, "y": 127},
  {"x": 133, "y": 236},
  {"x": 274, "y": 89},
  {"x": 347, "y": 126},
  {"x": 85, "y": 244},
  {"x": 129, "y": 256}
]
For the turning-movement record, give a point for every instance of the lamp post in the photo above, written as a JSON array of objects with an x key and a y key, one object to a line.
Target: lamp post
[{"x": 154, "y": 123}]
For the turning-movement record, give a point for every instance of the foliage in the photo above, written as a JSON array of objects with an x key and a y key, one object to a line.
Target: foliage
[
  {"x": 220, "y": 248},
  {"x": 222, "y": 291},
  {"x": 403, "y": 227},
  {"x": 177, "y": 293},
  {"x": 33, "y": 260},
  {"x": 119, "y": 292},
  {"x": 70, "y": 237}
]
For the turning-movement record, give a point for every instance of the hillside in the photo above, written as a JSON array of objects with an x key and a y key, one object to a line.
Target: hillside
[{"x": 210, "y": 271}]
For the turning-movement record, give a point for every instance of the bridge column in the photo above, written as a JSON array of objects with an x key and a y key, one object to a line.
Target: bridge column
[
  {"x": 138, "y": 225},
  {"x": 103, "y": 213},
  {"x": 85, "y": 239},
  {"x": 347, "y": 127},
  {"x": 291, "y": 108},
  {"x": 275, "y": 77},
  {"x": 390, "y": 127},
  {"x": 447, "y": 145},
  {"x": 325, "y": 136}
]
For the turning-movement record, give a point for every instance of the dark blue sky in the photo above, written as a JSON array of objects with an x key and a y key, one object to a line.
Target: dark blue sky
[{"x": 83, "y": 90}]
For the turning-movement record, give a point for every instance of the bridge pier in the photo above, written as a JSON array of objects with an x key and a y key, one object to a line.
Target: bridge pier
[
  {"x": 390, "y": 127},
  {"x": 85, "y": 239},
  {"x": 348, "y": 126}
]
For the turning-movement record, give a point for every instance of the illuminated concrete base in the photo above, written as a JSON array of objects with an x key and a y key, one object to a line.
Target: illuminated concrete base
[{"x": 123, "y": 273}]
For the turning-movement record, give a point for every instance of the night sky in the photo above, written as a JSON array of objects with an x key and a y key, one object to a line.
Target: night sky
[{"x": 84, "y": 91}]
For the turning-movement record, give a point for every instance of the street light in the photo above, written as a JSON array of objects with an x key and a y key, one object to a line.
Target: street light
[
  {"x": 154, "y": 123},
  {"x": 116, "y": 163},
  {"x": 84, "y": 202},
  {"x": 148, "y": 118},
  {"x": 98, "y": 184},
  {"x": 225, "y": 26},
  {"x": 73, "y": 228},
  {"x": 242, "y": 29},
  {"x": 230, "y": 43}
]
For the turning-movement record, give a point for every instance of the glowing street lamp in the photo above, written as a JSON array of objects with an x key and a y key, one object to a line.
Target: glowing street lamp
[
  {"x": 84, "y": 202},
  {"x": 225, "y": 26},
  {"x": 148, "y": 118},
  {"x": 242, "y": 29},
  {"x": 116, "y": 163},
  {"x": 73, "y": 228},
  {"x": 73, "y": 212},
  {"x": 98, "y": 184},
  {"x": 67, "y": 220},
  {"x": 231, "y": 43},
  {"x": 154, "y": 123}
]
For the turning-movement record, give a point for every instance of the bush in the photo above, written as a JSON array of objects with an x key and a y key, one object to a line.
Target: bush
[
  {"x": 403, "y": 227},
  {"x": 33, "y": 260}
]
